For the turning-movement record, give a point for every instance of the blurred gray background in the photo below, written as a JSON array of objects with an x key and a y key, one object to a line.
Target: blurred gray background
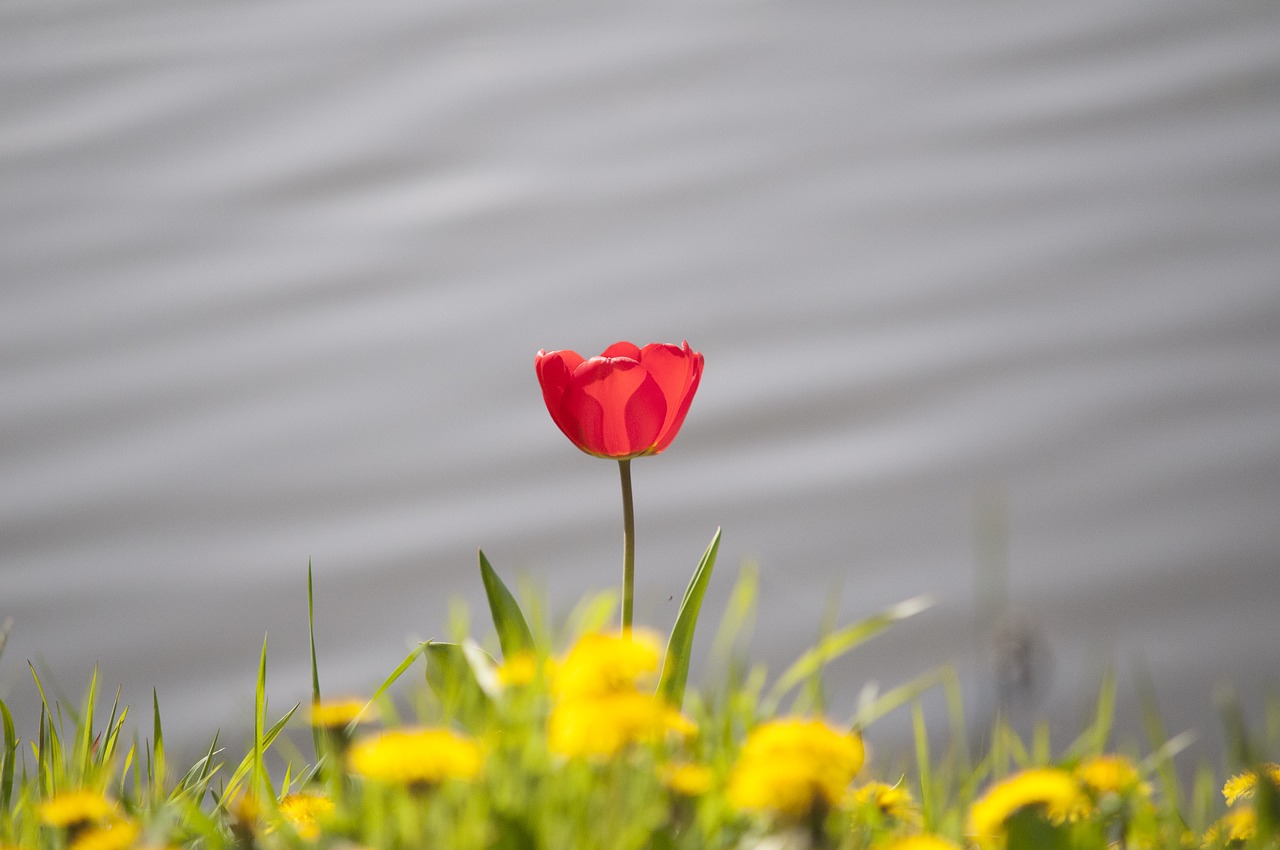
[{"x": 982, "y": 288}]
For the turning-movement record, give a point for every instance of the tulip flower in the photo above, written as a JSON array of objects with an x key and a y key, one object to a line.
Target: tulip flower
[{"x": 625, "y": 403}]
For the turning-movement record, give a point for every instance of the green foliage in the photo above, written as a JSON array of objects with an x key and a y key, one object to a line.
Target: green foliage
[{"x": 530, "y": 752}]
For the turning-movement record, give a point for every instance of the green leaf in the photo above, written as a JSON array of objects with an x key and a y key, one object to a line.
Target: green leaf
[
  {"x": 837, "y": 644},
  {"x": 157, "y": 746},
  {"x": 461, "y": 674},
  {"x": 8, "y": 757},
  {"x": 675, "y": 669},
  {"x": 508, "y": 619},
  {"x": 315, "y": 669}
]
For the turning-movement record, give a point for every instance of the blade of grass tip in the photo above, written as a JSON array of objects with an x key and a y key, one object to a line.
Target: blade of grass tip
[
  {"x": 419, "y": 650},
  {"x": 1093, "y": 740},
  {"x": 7, "y": 758},
  {"x": 812, "y": 697},
  {"x": 837, "y": 644},
  {"x": 157, "y": 746},
  {"x": 924, "y": 765},
  {"x": 1041, "y": 746},
  {"x": 198, "y": 775},
  {"x": 513, "y": 629},
  {"x": 955, "y": 715},
  {"x": 1157, "y": 737},
  {"x": 316, "y": 741},
  {"x": 739, "y": 615},
  {"x": 84, "y": 743},
  {"x": 110, "y": 735},
  {"x": 675, "y": 668},
  {"x": 111, "y": 738},
  {"x": 258, "y": 778},
  {"x": 255, "y": 762}
]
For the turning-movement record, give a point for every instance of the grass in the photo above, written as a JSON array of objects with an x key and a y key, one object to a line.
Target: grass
[{"x": 591, "y": 738}]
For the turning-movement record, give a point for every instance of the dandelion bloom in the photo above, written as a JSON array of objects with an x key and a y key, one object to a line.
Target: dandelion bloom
[
  {"x": 416, "y": 757},
  {"x": 922, "y": 842},
  {"x": 337, "y": 713},
  {"x": 304, "y": 811},
  {"x": 68, "y": 808},
  {"x": 1242, "y": 785},
  {"x": 116, "y": 835},
  {"x": 520, "y": 669},
  {"x": 1053, "y": 791},
  {"x": 891, "y": 801},
  {"x": 790, "y": 765},
  {"x": 688, "y": 779},
  {"x": 624, "y": 403},
  {"x": 1110, "y": 774},
  {"x": 601, "y": 664},
  {"x": 1239, "y": 824},
  {"x": 603, "y": 726}
]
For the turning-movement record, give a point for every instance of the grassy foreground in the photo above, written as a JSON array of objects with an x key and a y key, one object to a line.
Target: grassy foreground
[{"x": 590, "y": 739}]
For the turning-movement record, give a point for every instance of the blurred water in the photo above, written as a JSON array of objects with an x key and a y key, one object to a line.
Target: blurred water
[{"x": 274, "y": 274}]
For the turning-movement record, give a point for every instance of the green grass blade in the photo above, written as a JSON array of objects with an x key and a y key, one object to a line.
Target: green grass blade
[
  {"x": 675, "y": 669},
  {"x": 84, "y": 743},
  {"x": 872, "y": 705},
  {"x": 419, "y": 650},
  {"x": 513, "y": 629},
  {"x": 254, "y": 761},
  {"x": 157, "y": 746},
  {"x": 7, "y": 758},
  {"x": 924, "y": 764},
  {"x": 837, "y": 644},
  {"x": 738, "y": 620},
  {"x": 259, "y": 780},
  {"x": 315, "y": 668}
]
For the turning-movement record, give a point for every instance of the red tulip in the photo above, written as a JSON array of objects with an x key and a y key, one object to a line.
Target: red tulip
[{"x": 625, "y": 403}]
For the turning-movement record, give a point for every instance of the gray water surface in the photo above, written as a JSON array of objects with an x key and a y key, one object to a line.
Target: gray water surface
[{"x": 272, "y": 276}]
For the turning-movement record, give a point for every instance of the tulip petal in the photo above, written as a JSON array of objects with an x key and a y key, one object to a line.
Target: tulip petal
[
  {"x": 677, "y": 370},
  {"x": 617, "y": 407},
  {"x": 623, "y": 349},
  {"x": 555, "y": 373}
]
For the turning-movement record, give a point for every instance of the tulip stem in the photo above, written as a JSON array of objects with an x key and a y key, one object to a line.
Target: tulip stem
[{"x": 628, "y": 545}]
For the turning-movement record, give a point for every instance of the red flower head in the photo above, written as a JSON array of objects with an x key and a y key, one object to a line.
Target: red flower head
[{"x": 625, "y": 403}]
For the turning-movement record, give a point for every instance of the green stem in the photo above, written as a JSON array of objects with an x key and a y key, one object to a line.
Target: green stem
[{"x": 628, "y": 545}]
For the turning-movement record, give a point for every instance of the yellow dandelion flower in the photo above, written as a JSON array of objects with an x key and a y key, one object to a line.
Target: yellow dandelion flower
[
  {"x": 688, "y": 779},
  {"x": 68, "y": 808},
  {"x": 1242, "y": 785},
  {"x": 602, "y": 664},
  {"x": 1110, "y": 774},
  {"x": 1055, "y": 791},
  {"x": 603, "y": 726},
  {"x": 1239, "y": 824},
  {"x": 304, "y": 811},
  {"x": 114, "y": 835},
  {"x": 922, "y": 842},
  {"x": 520, "y": 669},
  {"x": 338, "y": 713},
  {"x": 892, "y": 801},
  {"x": 416, "y": 757},
  {"x": 789, "y": 765}
]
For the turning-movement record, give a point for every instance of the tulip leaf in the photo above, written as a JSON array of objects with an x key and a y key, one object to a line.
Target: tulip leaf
[
  {"x": 675, "y": 670},
  {"x": 462, "y": 675},
  {"x": 513, "y": 630},
  {"x": 836, "y": 644}
]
